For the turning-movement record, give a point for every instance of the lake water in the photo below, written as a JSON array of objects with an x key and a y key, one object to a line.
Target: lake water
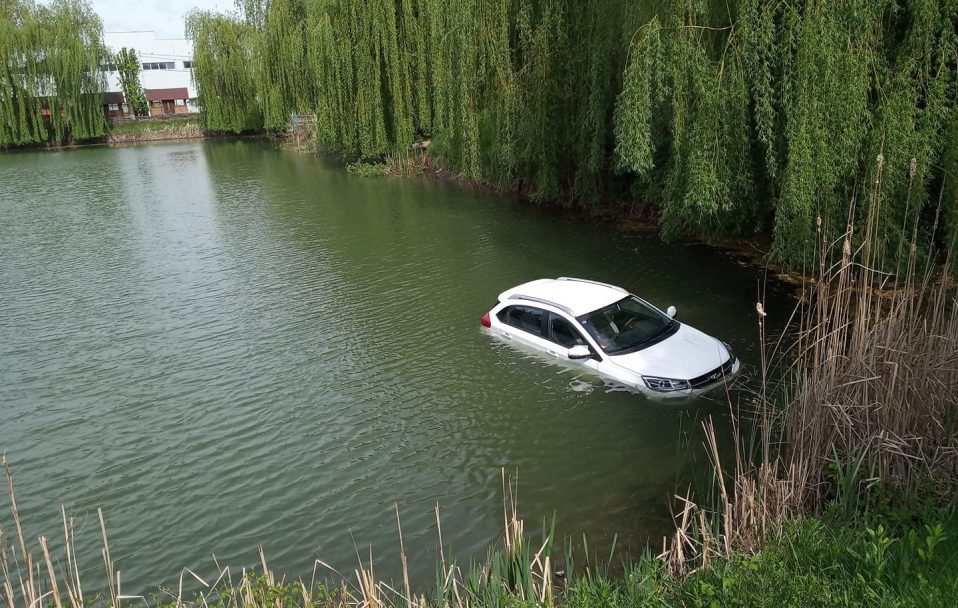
[{"x": 224, "y": 345}]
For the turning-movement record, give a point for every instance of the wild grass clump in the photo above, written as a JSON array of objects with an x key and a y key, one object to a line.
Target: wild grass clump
[
  {"x": 398, "y": 164},
  {"x": 154, "y": 129},
  {"x": 364, "y": 169}
]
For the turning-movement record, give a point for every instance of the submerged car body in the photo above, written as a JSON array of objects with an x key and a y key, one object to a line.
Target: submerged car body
[{"x": 608, "y": 330}]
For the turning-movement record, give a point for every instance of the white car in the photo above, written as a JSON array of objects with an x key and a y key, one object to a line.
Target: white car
[{"x": 614, "y": 333}]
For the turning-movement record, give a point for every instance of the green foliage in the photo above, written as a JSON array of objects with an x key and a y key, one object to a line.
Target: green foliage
[
  {"x": 818, "y": 565},
  {"x": 634, "y": 146},
  {"x": 366, "y": 169},
  {"x": 729, "y": 118},
  {"x": 50, "y": 79},
  {"x": 225, "y": 73},
  {"x": 283, "y": 82},
  {"x": 128, "y": 65}
]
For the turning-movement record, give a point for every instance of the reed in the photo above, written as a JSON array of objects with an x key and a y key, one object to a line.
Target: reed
[{"x": 519, "y": 570}]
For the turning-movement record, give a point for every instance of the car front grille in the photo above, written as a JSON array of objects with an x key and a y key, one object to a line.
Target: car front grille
[{"x": 717, "y": 374}]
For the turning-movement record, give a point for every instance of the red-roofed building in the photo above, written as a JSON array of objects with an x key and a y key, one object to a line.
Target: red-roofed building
[
  {"x": 167, "y": 101},
  {"x": 113, "y": 104}
]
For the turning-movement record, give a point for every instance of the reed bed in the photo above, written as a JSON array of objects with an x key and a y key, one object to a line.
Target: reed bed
[
  {"x": 154, "y": 130},
  {"x": 864, "y": 411}
]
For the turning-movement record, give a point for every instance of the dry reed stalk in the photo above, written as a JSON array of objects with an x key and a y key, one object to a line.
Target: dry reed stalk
[
  {"x": 107, "y": 562},
  {"x": 405, "y": 566},
  {"x": 16, "y": 513},
  {"x": 72, "y": 581},
  {"x": 53, "y": 577}
]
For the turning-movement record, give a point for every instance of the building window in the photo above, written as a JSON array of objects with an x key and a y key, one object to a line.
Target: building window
[
  {"x": 114, "y": 107},
  {"x": 159, "y": 65},
  {"x": 188, "y": 65},
  {"x": 180, "y": 102},
  {"x": 108, "y": 67}
]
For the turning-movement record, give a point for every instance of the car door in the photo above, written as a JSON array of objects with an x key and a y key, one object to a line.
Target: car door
[{"x": 563, "y": 335}]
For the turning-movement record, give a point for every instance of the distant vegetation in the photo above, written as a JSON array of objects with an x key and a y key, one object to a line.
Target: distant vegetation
[
  {"x": 154, "y": 129},
  {"x": 50, "y": 79},
  {"x": 726, "y": 118},
  {"x": 128, "y": 66}
]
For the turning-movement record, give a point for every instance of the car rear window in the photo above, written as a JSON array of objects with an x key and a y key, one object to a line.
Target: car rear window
[{"x": 525, "y": 318}]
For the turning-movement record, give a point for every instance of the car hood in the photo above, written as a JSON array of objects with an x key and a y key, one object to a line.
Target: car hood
[{"x": 686, "y": 354}]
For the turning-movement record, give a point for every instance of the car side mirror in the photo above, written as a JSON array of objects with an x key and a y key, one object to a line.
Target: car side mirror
[
  {"x": 580, "y": 351},
  {"x": 671, "y": 311}
]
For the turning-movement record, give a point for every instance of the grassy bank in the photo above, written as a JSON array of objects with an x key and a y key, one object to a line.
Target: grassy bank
[
  {"x": 812, "y": 564},
  {"x": 154, "y": 129}
]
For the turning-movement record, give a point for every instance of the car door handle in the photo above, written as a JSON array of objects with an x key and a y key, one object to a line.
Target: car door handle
[{"x": 553, "y": 353}]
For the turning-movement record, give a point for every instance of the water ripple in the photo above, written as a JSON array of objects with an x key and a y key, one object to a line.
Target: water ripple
[{"x": 225, "y": 345}]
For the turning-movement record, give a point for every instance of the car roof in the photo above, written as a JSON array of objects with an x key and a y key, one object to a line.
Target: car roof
[{"x": 573, "y": 296}]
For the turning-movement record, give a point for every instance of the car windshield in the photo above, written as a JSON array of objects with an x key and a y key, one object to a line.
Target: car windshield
[{"x": 627, "y": 325}]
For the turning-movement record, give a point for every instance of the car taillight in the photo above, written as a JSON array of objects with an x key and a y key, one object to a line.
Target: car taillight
[{"x": 485, "y": 320}]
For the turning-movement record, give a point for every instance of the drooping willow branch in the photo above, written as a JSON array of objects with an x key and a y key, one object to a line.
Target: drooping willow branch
[{"x": 724, "y": 118}]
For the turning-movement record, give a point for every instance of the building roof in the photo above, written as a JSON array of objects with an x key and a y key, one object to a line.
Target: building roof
[
  {"x": 577, "y": 296},
  {"x": 113, "y": 97},
  {"x": 164, "y": 94}
]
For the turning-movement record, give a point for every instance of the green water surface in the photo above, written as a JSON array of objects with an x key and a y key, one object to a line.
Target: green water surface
[{"x": 225, "y": 345}]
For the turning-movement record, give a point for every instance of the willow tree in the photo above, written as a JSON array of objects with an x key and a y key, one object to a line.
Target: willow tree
[
  {"x": 224, "y": 70},
  {"x": 726, "y": 117},
  {"x": 51, "y": 84},
  {"x": 284, "y": 82},
  {"x": 776, "y": 114},
  {"x": 359, "y": 69},
  {"x": 128, "y": 66}
]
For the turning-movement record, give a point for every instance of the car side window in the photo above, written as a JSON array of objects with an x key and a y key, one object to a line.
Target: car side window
[
  {"x": 525, "y": 318},
  {"x": 562, "y": 332}
]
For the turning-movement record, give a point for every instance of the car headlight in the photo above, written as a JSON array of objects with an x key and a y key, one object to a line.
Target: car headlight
[
  {"x": 731, "y": 354},
  {"x": 665, "y": 385}
]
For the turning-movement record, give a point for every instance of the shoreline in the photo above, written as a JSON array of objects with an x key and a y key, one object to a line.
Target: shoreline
[
  {"x": 141, "y": 131},
  {"x": 620, "y": 214}
]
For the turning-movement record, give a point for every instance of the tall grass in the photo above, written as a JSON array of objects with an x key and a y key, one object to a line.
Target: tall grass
[
  {"x": 864, "y": 412},
  {"x": 154, "y": 129}
]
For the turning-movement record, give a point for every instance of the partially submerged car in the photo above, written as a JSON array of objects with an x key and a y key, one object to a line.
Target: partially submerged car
[{"x": 614, "y": 333}]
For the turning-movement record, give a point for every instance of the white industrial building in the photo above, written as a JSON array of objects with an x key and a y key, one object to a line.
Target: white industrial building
[{"x": 166, "y": 76}]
